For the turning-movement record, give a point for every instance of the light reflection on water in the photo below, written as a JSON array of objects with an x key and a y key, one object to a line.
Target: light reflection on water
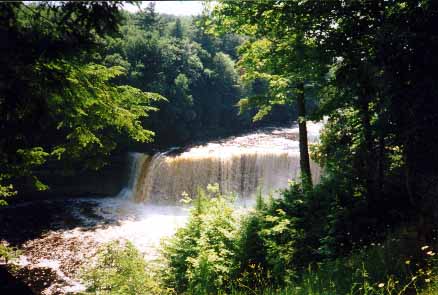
[
  {"x": 135, "y": 216},
  {"x": 142, "y": 224}
]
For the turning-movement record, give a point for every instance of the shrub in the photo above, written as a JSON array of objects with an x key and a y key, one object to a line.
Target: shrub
[
  {"x": 266, "y": 247},
  {"x": 8, "y": 253},
  {"x": 292, "y": 246},
  {"x": 200, "y": 257},
  {"x": 120, "y": 269},
  {"x": 366, "y": 272}
]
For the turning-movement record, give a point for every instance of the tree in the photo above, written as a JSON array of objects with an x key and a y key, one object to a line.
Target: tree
[
  {"x": 56, "y": 101},
  {"x": 148, "y": 18},
  {"x": 288, "y": 60},
  {"x": 177, "y": 31},
  {"x": 379, "y": 97},
  {"x": 387, "y": 75},
  {"x": 196, "y": 74}
]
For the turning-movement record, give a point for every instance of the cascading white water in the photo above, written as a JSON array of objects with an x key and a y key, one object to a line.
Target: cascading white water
[
  {"x": 242, "y": 172},
  {"x": 137, "y": 161},
  {"x": 265, "y": 160}
]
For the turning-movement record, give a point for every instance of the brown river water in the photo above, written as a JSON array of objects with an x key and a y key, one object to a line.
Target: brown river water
[{"x": 59, "y": 237}]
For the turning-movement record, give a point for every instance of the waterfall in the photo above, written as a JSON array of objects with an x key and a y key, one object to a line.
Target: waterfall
[
  {"x": 136, "y": 163},
  {"x": 167, "y": 177},
  {"x": 264, "y": 161}
]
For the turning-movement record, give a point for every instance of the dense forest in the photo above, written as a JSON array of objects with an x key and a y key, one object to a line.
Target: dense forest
[
  {"x": 194, "y": 71},
  {"x": 172, "y": 83},
  {"x": 82, "y": 81}
]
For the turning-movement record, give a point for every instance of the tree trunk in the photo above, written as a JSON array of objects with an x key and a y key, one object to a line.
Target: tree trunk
[
  {"x": 306, "y": 174},
  {"x": 369, "y": 159}
]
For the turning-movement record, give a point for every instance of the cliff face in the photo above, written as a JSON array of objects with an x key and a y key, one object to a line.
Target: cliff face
[{"x": 108, "y": 181}]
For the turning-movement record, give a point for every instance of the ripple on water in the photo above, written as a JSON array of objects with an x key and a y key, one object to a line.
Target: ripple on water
[{"x": 62, "y": 235}]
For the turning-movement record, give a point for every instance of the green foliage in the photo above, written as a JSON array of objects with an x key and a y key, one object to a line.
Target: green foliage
[
  {"x": 282, "y": 59},
  {"x": 177, "y": 30},
  {"x": 56, "y": 101},
  {"x": 372, "y": 66},
  {"x": 90, "y": 106},
  {"x": 79, "y": 81},
  {"x": 380, "y": 269},
  {"x": 266, "y": 247},
  {"x": 8, "y": 253},
  {"x": 287, "y": 58},
  {"x": 199, "y": 258},
  {"x": 195, "y": 71},
  {"x": 279, "y": 248},
  {"x": 120, "y": 269},
  {"x": 216, "y": 251},
  {"x": 378, "y": 95},
  {"x": 6, "y": 191}
]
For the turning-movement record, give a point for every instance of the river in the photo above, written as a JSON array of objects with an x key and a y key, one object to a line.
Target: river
[{"x": 58, "y": 237}]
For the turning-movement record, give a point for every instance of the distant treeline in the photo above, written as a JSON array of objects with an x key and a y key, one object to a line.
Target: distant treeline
[
  {"x": 195, "y": 72},
  {"x": 82, "y": 80}
]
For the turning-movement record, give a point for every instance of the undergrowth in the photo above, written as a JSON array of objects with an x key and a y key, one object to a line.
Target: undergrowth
[
  {"x": 120, "y": 269},
  {"x": 222, "y": 252}
]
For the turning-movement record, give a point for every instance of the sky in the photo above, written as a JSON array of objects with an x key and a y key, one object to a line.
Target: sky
[{"x": 171, "y": 7}]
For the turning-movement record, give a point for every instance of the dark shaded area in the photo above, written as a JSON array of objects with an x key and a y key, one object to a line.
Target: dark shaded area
[
  {"x": 77, "y": 183},
  {"x": 31, "y": 220},
  {"x": 27, "y": 280},
  {"x": 38, "y": 278},
  {"x": 10, "y": 284}
]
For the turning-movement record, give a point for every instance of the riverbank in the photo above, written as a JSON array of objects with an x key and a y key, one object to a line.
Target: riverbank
[{"x": 59, "y": 236}]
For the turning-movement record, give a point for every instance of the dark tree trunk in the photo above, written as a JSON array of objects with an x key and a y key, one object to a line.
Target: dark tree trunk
[
  {"x": 381, "y": 165},
  {"x": 306, "y": 174},
  {"x": 368, "y": 160},
  {"x": 382, "y": 126}
]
